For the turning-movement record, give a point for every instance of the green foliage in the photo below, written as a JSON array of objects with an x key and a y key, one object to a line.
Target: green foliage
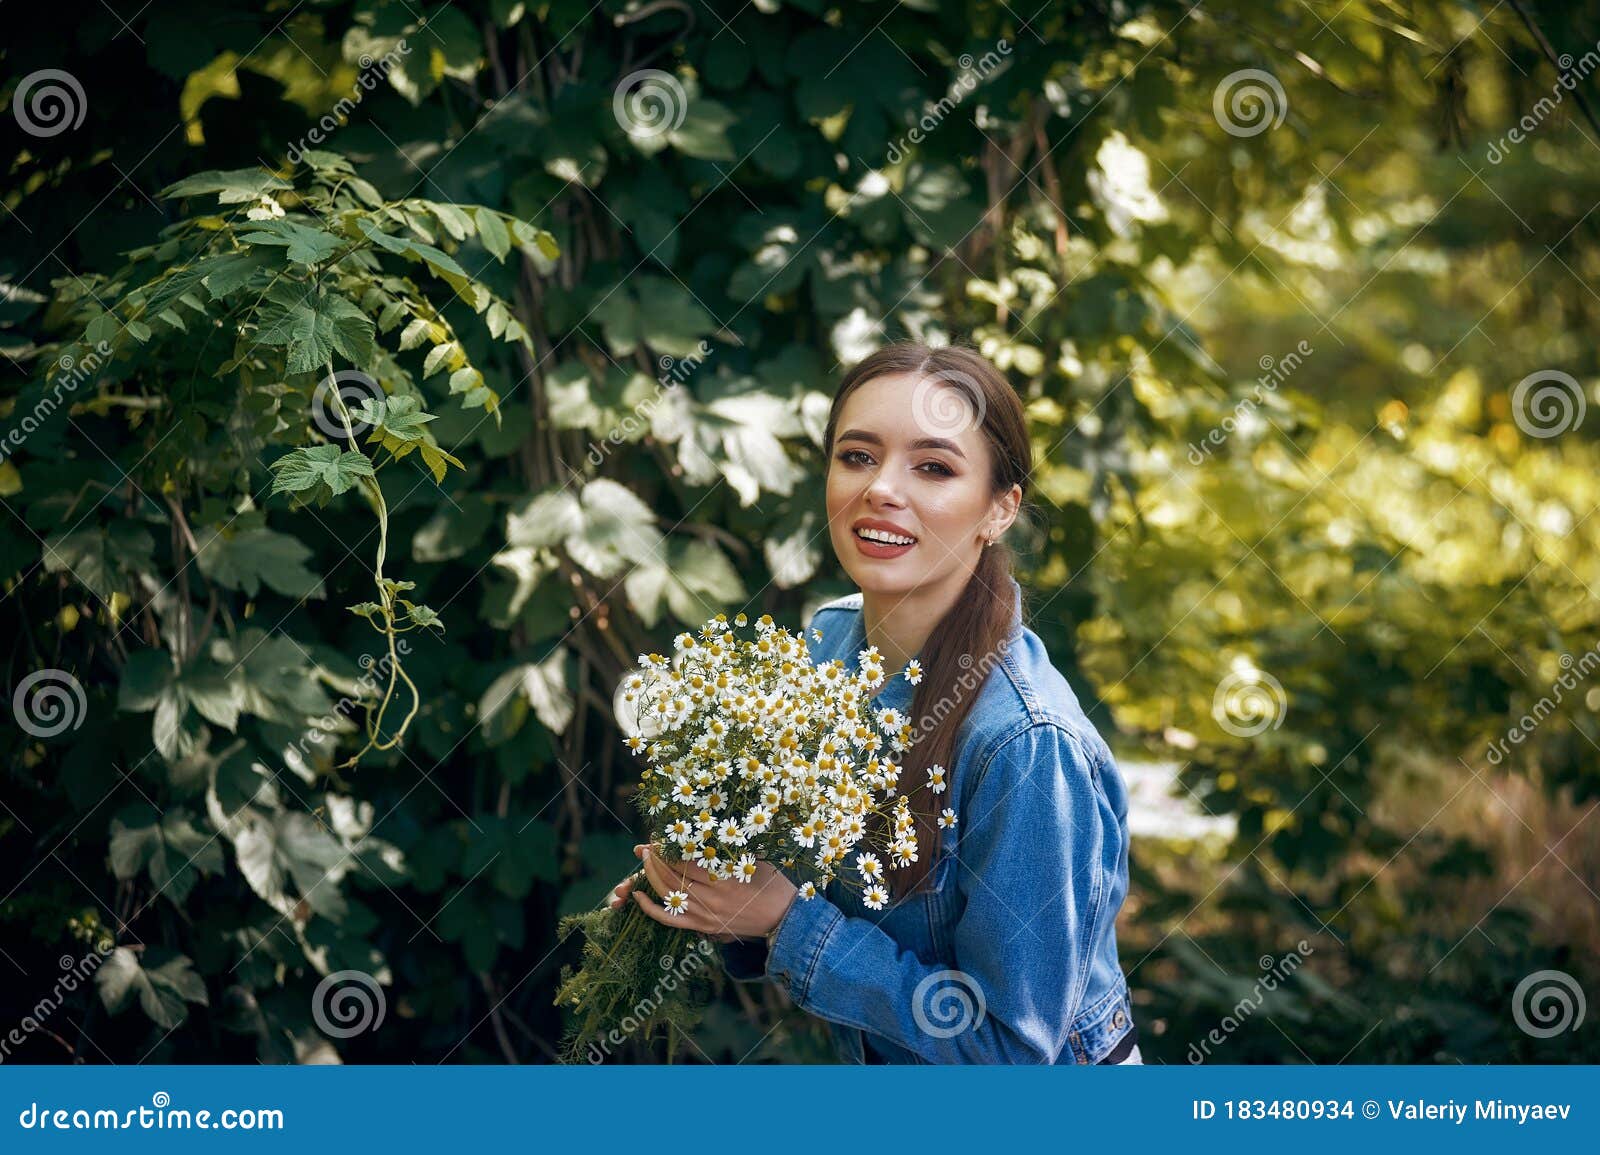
[{"x": 347, "y": 659}]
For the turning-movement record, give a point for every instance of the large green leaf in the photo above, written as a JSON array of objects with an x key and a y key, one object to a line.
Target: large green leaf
[
  {"x": 693, "y": 577},
  {"x": 312, "y": 324},
  {"x": 320, "y": 465},
  {"x": 170, "y": 846},
  {"x": 247, "y": 559}
]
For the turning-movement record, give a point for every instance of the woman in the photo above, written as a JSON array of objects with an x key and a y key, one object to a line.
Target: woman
[{"x": 1000, "y": 943}]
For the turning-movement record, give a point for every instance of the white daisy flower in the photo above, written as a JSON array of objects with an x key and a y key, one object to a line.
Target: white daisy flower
[
  {"x": 914, "y": 672},
  {"x": 745, "y": 871},
  {"x": 676, "y": 902},
  {"x": 936, "y": 778},
  {"x": 875, "y": 897},
  {"x": 869, "y": 866},
  {"x": 808, "y": 890},
  {"x": 947, "y": 818}
]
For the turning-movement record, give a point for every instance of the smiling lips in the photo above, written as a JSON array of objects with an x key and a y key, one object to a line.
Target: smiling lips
[
  {"x": 880, "y": 539},
  {"x": 882, "y": 533}
]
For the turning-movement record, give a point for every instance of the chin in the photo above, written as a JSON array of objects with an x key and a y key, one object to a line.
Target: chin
[{"x": 884, "y": 579}]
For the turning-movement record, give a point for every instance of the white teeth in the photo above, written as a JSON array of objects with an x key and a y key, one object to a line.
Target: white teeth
[{"x": 885, "y": 537}]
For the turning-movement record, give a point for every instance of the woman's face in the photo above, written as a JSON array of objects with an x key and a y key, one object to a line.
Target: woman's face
[{"x": 923, "y": 488}]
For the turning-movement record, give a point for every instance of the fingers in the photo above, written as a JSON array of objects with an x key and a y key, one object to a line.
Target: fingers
[
  {"x": 665, "y": 876},
  {"x": 620, "y": 892},
  {"x": 688, "y": 920}
]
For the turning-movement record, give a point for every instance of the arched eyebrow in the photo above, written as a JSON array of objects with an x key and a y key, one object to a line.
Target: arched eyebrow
[{"x": 919, "y": 443}]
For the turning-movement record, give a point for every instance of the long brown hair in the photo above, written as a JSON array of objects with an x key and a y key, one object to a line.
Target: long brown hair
[{"x": 972, "y": 635}]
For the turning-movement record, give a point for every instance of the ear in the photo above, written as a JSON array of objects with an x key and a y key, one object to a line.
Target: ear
[{"x": 1004, "y": 511}]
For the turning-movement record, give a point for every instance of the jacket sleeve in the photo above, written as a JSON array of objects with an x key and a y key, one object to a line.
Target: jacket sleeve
[{"x": 1029, "y": 854}]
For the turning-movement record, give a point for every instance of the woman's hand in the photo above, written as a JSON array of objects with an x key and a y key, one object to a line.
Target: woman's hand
[{"x": 724, "y": 910}]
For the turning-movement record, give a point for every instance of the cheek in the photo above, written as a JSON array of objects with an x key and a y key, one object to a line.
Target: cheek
[
  {"x": 950, "y": 512},
  {"x": 839, "y": 493}
]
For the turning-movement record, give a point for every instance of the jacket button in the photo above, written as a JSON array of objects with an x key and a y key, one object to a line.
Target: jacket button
[{"x": 1118, "y": 1019}]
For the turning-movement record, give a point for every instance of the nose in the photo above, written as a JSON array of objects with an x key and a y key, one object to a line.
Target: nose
[{"x": 883, "y": 493}]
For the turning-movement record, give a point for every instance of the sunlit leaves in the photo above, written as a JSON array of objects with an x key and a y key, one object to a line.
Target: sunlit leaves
[
  {"x": 163, "y": 992},
  {"x": 238, "y": 186},
  {"x": 320, "y": 466}
]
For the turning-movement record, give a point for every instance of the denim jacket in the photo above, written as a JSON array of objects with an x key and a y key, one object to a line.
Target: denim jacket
[{"x": 1011, "y": 956}]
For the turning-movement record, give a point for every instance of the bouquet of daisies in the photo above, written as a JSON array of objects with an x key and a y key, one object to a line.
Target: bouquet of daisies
[{"x": 752, "y": 752}]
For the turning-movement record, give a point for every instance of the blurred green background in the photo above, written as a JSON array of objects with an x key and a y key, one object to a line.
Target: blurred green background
[{"x": 1301, "y": 298}]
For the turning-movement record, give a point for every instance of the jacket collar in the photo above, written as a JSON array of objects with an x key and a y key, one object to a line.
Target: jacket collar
[{"x": 898, "y": 692}]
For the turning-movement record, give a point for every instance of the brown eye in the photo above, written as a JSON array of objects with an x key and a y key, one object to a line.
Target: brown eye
[{"x": 937, "y": 468}]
